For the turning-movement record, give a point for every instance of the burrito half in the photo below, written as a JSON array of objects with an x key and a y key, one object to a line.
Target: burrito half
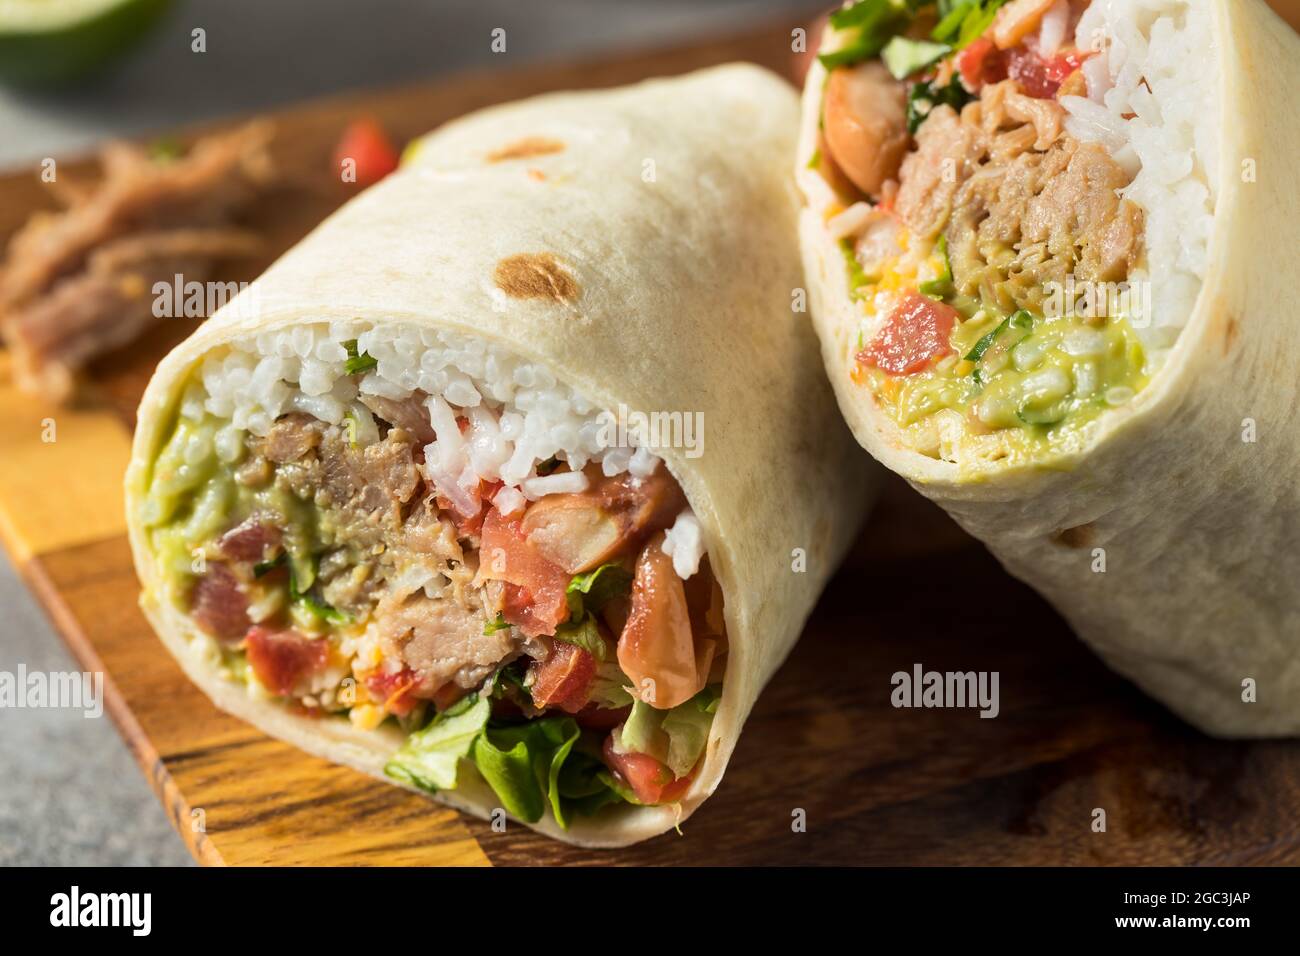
[
  {"x": 515, "y": 480},
  {"x": 1049, "y": 243}
]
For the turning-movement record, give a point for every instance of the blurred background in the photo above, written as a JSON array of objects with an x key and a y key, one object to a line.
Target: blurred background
[
  {"x": 263, "y": 53},
  {"x": 70, "y": 792}
]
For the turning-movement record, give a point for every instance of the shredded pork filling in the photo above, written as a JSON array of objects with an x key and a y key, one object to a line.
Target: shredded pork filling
[
  {"x": 997, "y": 261},
  {"x": 79, "y": 282}
]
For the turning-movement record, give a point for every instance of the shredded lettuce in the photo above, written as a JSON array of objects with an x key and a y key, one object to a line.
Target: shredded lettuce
[
  {"x": 609, "y": 688},
  {"x": 506, "y": 679},
  {"x": 430, "y": 757},
  {"x": 923, "y": 97},
  {"x": 903, "y": 56},
  {"x": 591, "y": 591},
  {"x": 525, "y": 764},
  {"x": 951, "y": 15},
  {"x": 584, "y": 782},
  {"x": 586, "y": 595},
  {"x": 978, "y": 19},
  {"x": 677, "y": 737},
  {"x": 862, "y": 29},
  {"x": 872, "y": 28},
  {"x": 531, "y": 766},
  {"x": 583, "y": 633},
  {"x": 496, "y": 624},
  {"x": 509, "y": 764}
]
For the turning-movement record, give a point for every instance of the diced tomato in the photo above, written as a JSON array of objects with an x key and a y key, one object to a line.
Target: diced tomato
[
  {"x": 1038, "y": 77},
  {"x": 534, "y": 594},
  {"x": 393, "y": 690},
  {"x": 283, "y": 660},
  {"x": 467, "y": 525},
  {"x": 657, "y": 648},
  {"x": 914, "y": 336},
  {"x": 564, "y": 678},
  {"x": 1063, "y": 64},
  {"x": 366, "y": 144},
  {"x": 486, "y": 491},
  {"x": 651, "y": 781},
  {"x": 981, "y": 62}
]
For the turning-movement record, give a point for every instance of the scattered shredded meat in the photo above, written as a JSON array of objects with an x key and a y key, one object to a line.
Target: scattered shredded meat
[
  {"x": 1004, "y": 101},
  {"x": 289, "y": 439},
  {"x": 372, "y": 483},
  {"x": 369, "y": 485},
  {"x": 384, "y": 519},
  {"x": 409, "y": 414},
  {"x": 218, "y": 605},
  {"x": 947, "y": 151},
  {"x": 79, "y": 282},
  {"x": 442, "y": 642},
  {"x": 1025, "y": 203}
]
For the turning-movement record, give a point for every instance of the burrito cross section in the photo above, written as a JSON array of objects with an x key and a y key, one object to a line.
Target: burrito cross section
[
  {"x": 1044, "y": 267},
  {"x": 431, "y": 558},
  {"x": 435, "y": 497},
  {"x": 989, "y": 187}
]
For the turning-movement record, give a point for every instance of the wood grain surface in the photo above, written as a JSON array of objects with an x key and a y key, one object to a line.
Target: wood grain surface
[{"x": 876, "y": 784}]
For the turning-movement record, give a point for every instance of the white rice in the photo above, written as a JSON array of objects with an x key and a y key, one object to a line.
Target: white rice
[
  {"x": 520, "y": 415},
  {"x": 684, "y": 543},
  {"x": 1158, "y": 69}
]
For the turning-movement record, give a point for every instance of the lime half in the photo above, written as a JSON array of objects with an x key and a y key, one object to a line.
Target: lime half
[{"x": 51, "y": 42}]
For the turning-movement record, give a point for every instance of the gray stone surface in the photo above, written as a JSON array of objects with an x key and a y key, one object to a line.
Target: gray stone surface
[{"x": 70, "y": 792}]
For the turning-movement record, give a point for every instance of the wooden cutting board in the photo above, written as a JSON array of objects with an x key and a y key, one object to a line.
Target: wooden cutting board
[{"x": 876, "y": 785}]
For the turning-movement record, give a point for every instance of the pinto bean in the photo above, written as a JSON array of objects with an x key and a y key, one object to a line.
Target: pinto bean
[{"x": 865, "y": 124}]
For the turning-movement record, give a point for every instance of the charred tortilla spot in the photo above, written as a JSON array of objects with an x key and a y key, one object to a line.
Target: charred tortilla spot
[
  {"x": 535, "y": 275},
  {"x": 526, "y": 148},
  {"x": 1231, "y": 331},
  {"x": 1079, "y": 536}
]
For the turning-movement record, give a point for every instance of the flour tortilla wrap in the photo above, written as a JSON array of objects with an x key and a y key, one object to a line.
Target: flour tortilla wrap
[
  {"x": 640, "y": 243},
  {"x": 1188, "y": 493}
]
